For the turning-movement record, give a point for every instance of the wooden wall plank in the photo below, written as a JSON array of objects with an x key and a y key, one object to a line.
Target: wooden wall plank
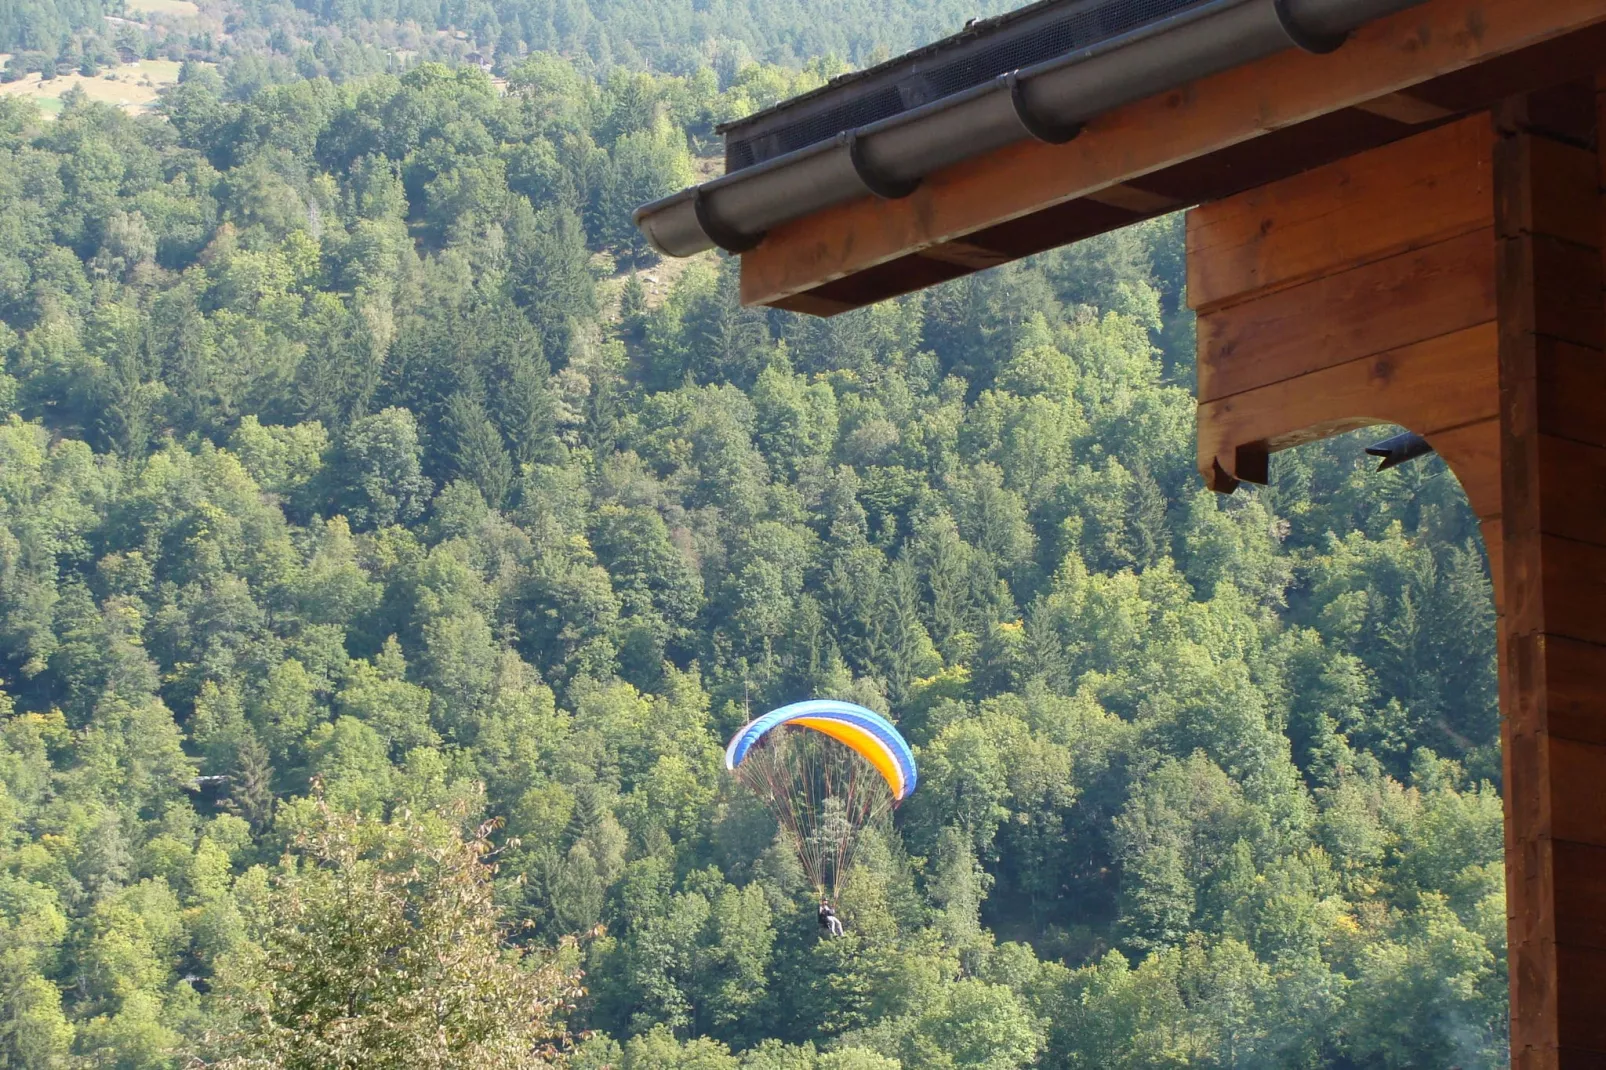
[
  {"x": 1393, "y": 302},
  {"x": 1552, "y": 197},
  {"x": 1573, "y": 483},
  {"x": 1581, "y": 997},
  {"x": 1580, "y": 884},
  {"x": 1573, "y": 380},
  {"x": 1388, "y": 55},
  {"x": 1575, "y": 695},
  {"x": 1573, "y": 590},
  {"x": 1565, "y": 204},
  {"x": 1432, "y": 386},
  {"x": 1575, "y": 776},
  {"x": 1403, "y": 196},
  {"x": 1572, "y": 310}
]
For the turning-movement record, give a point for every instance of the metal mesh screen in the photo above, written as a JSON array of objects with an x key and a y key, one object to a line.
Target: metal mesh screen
[{"x": 856, "y": 111}]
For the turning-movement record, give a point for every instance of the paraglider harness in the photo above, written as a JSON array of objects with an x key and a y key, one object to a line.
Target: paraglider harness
[{"x": 828, "y": 919}]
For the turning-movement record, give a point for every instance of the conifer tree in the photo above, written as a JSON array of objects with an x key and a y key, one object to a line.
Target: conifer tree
[{"x": 477, "y": 453}]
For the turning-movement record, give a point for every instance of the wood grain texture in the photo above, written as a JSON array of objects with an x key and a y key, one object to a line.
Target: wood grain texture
[
  {"x": 1553, "y": 629},
  {"x": 1573, "y": 381},
  {"x": 1581, "y": 1020},
  {"x": 1575, "y": 771},
  {"x": 1473, "y": 453},
  {"x": 1134, "y": 199},
  {"x": 1572, "y": 591},
  {"x": 1575, "y": 698},
  {"x": 1571, "y": 311},
  {"x": 1405, "y": 108},
  {"x": 1580, "y": 886},
  {"x": 1566, "y": 204},
  {"x": 1385, "y": 56},
  {"x": 1432, "y": 386},
  {"x": 1516, "y": 404},
  {"x": 1573, "y": 488},
  {"x": 1403, "y": 196},
  {"x": 1393, "y": 302}
]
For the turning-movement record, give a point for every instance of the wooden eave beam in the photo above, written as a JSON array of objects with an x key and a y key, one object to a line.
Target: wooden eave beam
[{"x": 1382, "y": 60}]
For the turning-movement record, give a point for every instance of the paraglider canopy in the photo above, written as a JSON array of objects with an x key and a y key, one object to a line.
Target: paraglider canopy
[
  {"x": 827, "y": 770},
  {"x": 863, "y": 731}
]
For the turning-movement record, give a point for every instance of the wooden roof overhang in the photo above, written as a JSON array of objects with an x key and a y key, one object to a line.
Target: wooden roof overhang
[{"x": 1198, "y": 142}]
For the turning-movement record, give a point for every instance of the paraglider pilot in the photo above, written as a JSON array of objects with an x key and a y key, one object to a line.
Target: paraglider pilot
[
  {"x": 866, "y": 768},
  {"x": 828, "y": 919}
]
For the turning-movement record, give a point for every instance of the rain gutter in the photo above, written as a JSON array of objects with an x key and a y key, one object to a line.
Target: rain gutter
[{"x": 1048, "y": 102}]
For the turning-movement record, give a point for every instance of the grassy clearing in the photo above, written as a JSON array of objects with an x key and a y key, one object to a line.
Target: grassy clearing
[
  {"x": 133, "y": 87},
  {"x": 180, "y": 8},
  {"x": 160, "y": 71},
  {"x": 660, "y": 277}
]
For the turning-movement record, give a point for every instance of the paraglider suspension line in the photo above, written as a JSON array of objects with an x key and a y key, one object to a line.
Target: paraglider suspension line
[{"x": 822, "y": 796}]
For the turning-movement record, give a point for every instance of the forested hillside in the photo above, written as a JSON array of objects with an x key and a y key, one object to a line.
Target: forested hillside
[
  {"x": 365, "y": 520},
  {"x": 277, "y": 40}
]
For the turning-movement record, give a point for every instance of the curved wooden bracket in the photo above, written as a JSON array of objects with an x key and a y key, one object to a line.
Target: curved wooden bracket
[
  {"x": 1443, "y": 388},
  {"x": 1356, "y": 294}
]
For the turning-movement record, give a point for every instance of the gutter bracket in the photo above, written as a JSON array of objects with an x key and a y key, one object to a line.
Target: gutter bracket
[
  {"x": 727, "y": 238},
  {"x": 1318, "y": 44},
  {"x": 886, "y": 188},
  {"x": 1044, "y": 130}
]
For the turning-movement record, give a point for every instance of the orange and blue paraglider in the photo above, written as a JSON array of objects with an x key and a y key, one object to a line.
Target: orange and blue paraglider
[{"x": 827, "y": 770}]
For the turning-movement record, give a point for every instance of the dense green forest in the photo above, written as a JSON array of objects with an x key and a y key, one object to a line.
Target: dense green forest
[
  {"x": 675, "y": 35},
  {"x": 383, "y": 563},
  {"x": 339, "y": 39}
]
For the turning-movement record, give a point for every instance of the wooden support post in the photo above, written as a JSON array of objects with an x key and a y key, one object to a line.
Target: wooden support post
[
  {"x": 1553, "y": 494},
  {"x": 1469, "y": 309}
]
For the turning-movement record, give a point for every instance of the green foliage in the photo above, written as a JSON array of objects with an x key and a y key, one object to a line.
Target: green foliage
[
  {"x": 327, "y": 465},
  {"x": 382, "y": 946}
]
